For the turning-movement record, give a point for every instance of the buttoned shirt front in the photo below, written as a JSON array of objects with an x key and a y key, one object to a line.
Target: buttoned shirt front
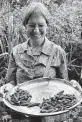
[{"x": 27, "y": 63}]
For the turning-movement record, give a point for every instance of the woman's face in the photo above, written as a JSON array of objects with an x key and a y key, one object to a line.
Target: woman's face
[{"x": 36, "y": 28}]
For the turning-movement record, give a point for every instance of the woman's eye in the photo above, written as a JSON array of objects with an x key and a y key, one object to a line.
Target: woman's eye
[
  {"x": 41, "y": 26},
  {"x": 31, "y": 25}
]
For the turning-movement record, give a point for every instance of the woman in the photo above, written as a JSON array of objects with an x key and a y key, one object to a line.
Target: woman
[{"x": 29, "y": 59}]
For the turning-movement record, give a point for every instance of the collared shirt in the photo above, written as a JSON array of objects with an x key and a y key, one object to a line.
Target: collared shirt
[{"x": 27, "y": 63}]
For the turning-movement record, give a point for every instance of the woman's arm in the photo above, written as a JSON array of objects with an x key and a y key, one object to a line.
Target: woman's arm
[
  {"x": 11, "y": 72},
  {"x": 10, "y": 79},
  {"x": 63, "y": 66}
]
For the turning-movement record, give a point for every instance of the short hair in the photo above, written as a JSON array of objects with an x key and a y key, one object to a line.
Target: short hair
[{"x": 31, "y": 8}]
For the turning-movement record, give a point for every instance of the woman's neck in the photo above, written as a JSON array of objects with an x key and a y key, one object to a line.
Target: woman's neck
[{"x": 35, "y": 44}]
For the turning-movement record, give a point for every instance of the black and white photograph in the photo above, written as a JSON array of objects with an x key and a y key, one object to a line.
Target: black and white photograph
[{"x": 40, "y": 61}]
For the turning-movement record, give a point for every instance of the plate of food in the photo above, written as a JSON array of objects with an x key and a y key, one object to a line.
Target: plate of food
[{"x": 43, "y": 97}]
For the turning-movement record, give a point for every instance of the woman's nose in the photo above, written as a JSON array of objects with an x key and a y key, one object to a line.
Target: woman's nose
[{"x": 36, "y": 29}]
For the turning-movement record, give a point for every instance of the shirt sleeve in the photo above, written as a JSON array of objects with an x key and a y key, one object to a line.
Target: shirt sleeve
[{"x": 11, "y": 72}]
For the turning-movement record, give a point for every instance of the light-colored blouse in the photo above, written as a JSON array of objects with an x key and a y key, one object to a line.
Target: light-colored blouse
[{"x": 27, "y": 63}]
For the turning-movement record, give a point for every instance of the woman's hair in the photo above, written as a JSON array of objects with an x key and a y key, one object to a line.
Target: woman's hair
[{"x": 31, "y": 8}]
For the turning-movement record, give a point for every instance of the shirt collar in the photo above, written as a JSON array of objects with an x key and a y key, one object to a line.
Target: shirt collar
[{"x": 46, "y": 48}]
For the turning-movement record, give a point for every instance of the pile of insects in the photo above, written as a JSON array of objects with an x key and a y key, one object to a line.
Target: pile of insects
[
  {"x": 22, "y": 98},
  {"x": 58, "y": 102}
]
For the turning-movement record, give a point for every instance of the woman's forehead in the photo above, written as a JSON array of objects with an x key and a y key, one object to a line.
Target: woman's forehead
[{"x": 37, "y": 18}]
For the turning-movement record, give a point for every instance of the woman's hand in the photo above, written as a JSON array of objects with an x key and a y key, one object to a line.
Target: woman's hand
[
  {"x": 5, "y": 88},
  {"x": 75, "y": 84}
]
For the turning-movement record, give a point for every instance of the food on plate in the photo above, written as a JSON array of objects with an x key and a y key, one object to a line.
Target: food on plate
[
  {"x": 22, "y": 98},
  {"x": 57, "y": 103}
]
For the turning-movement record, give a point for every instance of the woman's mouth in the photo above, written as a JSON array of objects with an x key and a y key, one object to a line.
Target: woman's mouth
[{"x": 37, "y": 35}]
